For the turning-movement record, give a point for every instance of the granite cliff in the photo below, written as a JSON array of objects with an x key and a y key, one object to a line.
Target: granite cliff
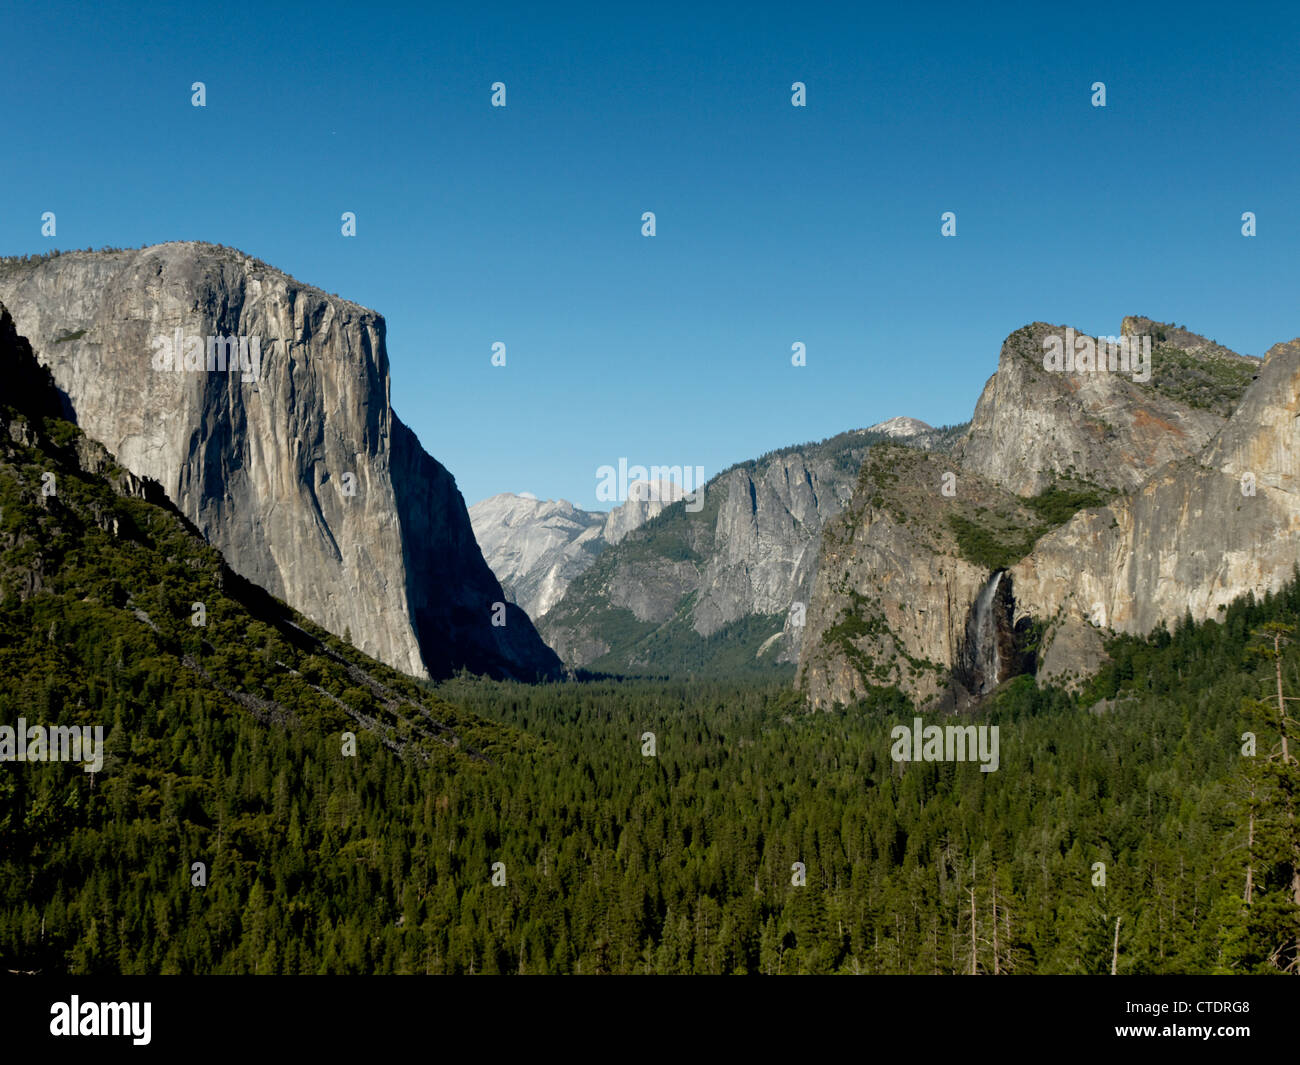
[
  {"x": 1080, "y": 502},
  {"x": 726, "y": 587},
  {"x": 538, "y": 547},
  {"x": 1191, "y": 538},
  {"x": 262, "y": 407}
]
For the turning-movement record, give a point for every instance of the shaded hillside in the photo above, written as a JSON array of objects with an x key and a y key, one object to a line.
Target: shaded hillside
[{"x": 223, "y": 741}]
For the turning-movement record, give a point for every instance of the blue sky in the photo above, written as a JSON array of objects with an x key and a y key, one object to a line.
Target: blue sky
[{"x": 775, "y": 224}]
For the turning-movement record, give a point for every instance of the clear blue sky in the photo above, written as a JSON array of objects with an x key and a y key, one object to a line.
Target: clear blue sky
[{"x": 775, "y": 224}]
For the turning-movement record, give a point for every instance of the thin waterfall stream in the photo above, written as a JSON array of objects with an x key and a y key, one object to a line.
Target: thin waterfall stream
[{"x": 987, "y": 628}]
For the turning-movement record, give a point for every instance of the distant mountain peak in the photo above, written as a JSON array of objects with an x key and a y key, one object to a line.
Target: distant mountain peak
[
  {"x": 537, "y": 547},
  {"x": 899, "y": 427},
  {"x": 661, "y": 491}
]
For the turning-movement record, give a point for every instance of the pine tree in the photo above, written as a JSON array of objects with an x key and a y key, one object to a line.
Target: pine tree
[{"x": 1273, "y": 828}]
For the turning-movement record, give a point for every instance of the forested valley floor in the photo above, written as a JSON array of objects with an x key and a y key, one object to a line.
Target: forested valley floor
[{"x": 567, "y": 849}]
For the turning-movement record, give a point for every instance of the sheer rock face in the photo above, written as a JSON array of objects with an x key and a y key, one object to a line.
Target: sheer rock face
[
  {"x": 304, "y": 478},
  {"x": 1203, "y": 464},
  {"x": 738, "y": 570},
  {"x": 892, "y": 603},
  {"x": 750, "y": 549},
  {"x": 536, "y": 546},
  {"x": 645, "y": 500},
  {"x": 1195, "y": 535},
  {"x": 765, "y": 541},
  {"x": 1032, "y": 426}
]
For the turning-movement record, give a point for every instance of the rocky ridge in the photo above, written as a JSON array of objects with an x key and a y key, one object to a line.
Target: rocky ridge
[
  {"x": 538, "y": 547},
  {"x": 1141, "y": 500},
  {"x": 723, "y": 586}
]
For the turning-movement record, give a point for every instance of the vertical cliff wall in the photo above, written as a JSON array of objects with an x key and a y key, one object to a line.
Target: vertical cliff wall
[{"x": 292, "y": 462}]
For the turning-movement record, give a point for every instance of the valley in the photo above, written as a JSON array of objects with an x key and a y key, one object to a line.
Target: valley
[{"x": 711, "y": 782}]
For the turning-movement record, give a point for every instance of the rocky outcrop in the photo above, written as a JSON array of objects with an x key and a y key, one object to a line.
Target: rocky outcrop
[
  {"x": 1033, "y": 426},
  {"x": 536, "y": 547},
  {"x": 1075, "y": 649},
  {"x": 284, "y": 451},
  {"x": 739, "y": 567},
  {"x": 896, "y": 603},
  {"x": 765, "y": 541},
  {"x": 1185, "y": 509},
  {"x": 1196, "y": 535},
  {"x": 645, "y": 500}
]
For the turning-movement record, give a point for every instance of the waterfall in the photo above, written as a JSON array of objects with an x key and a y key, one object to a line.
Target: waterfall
[{"x": 983, "y": 658}]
